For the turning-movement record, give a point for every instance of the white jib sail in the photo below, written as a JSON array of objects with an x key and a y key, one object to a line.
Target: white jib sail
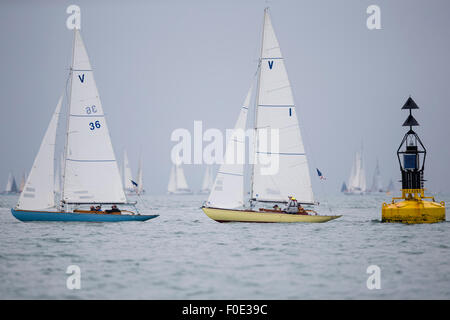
[
  {"x": 91, "y": 173},
  {"x": 228, "y": 189},
  {"x": 39, "y": 190},
  {"x": 276, "y": 110},
  {"x": 127, "y": 176}
]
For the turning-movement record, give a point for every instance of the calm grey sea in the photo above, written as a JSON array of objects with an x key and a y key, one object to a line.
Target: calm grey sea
[{"x": 184, "y": 255}]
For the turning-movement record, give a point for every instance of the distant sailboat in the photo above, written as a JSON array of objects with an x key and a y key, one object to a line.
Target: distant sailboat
[
  {"x": 376, "y": 183},
  {"x": 22, "y": 182},
  {"x": 275, "y": 109},
  {"x": 391, "y": 187},
  {"x": 344, "y": 187},
  {"x": 91, "y": 175},
  {"x": 140, "y": 179},
  {"x": 11, "y": 185},
  {"x": 127, "y": 175},
  {"x": 177, "y": 181},
  {"x": 208, "y": 181},
  {"x": 357, "y": 180}
]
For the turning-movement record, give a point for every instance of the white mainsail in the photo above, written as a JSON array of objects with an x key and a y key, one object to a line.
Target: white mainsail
[
  {"x": 127, "y": 175},
  {"x": 228, "y": 189},
  {"x": 91, "y": 174},
  {"x": 275, "y": 109},
  {"x": 357, "y": 180},
  {"x": 39, "y": 190}
]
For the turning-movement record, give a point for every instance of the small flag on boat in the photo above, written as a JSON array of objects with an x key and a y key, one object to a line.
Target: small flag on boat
[
  {"x": 134, "y": 183},
  {"x": 320, "y": 175}
]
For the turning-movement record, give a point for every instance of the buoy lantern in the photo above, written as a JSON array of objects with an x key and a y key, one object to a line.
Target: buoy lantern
[{"x": 414, "y": 207}]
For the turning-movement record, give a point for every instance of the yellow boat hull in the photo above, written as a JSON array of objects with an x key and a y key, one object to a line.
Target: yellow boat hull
[{"x": 227, "y": 215}]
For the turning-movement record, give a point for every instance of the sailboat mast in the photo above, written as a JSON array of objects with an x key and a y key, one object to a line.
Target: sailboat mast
[
  {"x": 69, "y": 99},
  {"x": 255, "y": 142}
]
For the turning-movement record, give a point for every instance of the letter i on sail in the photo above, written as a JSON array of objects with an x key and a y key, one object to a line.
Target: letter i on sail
[
  {"x": 290, "y": 186},
  {"x": 91, "y": 175}
]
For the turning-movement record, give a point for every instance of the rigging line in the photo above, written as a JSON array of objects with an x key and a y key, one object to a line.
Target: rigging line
[{"x": 143, "y": 201}]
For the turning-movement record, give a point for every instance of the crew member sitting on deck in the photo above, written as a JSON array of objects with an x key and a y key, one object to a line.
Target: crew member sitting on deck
[
  {"x": 276, "y": 208},
  {"x": 292, "y": 206},
  {"x": 301, "y": 210},
  {"x": 113, "y": 209},
  {"x": 98, "y": 208},
  {"x": 92, "y": 208}
]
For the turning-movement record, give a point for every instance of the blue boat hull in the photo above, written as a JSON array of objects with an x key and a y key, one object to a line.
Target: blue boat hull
[{"x": 80, "y": 217}]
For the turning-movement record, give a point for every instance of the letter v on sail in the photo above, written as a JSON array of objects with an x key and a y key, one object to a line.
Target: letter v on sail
[{"x": 290, "y": 186}]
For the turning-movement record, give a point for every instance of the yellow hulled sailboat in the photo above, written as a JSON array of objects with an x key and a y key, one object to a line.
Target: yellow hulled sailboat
[{"x": 274, "y": 112}]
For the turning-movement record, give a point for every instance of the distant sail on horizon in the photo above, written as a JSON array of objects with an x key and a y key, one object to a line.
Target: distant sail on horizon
[
  {"x": 208, "y": 181},
  {"x": 357, "y": 180},
  {"x": 140, "y": 178},
  {"x": 177, "y": 181},
  {"x": 22, "y": 182},
  {"x": 391, "y": 186},
  {"x": 11, "y": 185},
  {"x": 127, "y": 175},
  {"x": 377, "y": 185}
]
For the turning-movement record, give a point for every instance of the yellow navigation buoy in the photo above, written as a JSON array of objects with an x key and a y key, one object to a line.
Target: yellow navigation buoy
[{"x": 415, "y": 207}]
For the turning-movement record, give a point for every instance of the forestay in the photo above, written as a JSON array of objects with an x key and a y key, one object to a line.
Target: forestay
[
  {"x": 91, "y": 171},
  {"x": 275, "y": 109}
]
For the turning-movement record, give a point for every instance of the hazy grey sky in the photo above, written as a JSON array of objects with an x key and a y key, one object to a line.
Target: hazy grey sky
[{"x": 160, "y": 65}]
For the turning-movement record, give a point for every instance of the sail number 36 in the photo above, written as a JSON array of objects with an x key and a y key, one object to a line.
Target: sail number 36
[{"x": 94, "y": 125}]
